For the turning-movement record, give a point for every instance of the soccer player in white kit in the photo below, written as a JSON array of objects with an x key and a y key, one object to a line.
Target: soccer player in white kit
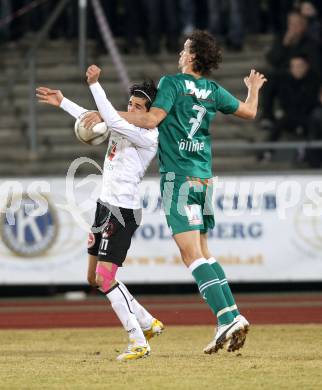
[{"x": 118, "y": 214}]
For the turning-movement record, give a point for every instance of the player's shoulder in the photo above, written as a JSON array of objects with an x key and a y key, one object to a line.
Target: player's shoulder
[
  {"x": 171, "y": 82},
  {"x": 151, "y": 132},
  {"x": 171, "y": 78},
  {"x": 155, "y": 132},
  {"x": 215, "y": 86}
]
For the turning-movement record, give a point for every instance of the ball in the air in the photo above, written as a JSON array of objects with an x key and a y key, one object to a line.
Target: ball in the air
[{"x": 93, "y": 136}]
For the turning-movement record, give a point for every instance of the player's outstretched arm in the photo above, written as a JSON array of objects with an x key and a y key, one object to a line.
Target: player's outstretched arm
[
  {"x": 254, "y": 83},
  {"x": 146, "y": 120},
  {"x": 49, "y": 96},
  {"x": 54, "y": 97},
  {"x": 138, "y": 136}
]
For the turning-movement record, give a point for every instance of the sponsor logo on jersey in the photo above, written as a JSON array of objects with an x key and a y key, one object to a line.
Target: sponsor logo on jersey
[
  {"x": 111, "y": 151},
  {"x": 191, "y": 146},
  {"x": 31, "y": 234},
  {"x": 199, "y": 93},
  {"x": 109, "y": 230}
]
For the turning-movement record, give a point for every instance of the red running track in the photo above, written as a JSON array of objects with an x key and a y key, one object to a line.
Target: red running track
[{"x": 172, "y": 310}]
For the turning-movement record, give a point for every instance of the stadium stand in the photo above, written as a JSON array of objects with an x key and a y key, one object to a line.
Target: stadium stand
[{"x": 57, "y": 67}]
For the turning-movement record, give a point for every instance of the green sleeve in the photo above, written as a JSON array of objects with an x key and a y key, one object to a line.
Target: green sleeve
[
  {"x": 166, "y": 95},
  {"x": 226, "y": 102}
]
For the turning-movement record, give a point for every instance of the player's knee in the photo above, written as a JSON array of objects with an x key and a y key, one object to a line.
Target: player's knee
[
  {"x": 189, "y": 254},
  {"x": 103, "y": 284},
  {"x": 206, "y": 254},
  {"x": 204, "y": 249},
  {"x": 105, "y": 278}
]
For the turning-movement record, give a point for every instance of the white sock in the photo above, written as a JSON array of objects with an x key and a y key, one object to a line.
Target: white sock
[
  {"x": 144, "y": 318},
  {"x": 124, "y": 310}
]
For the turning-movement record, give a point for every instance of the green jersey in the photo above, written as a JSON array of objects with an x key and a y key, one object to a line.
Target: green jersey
[{"x": 184, "y": 139}]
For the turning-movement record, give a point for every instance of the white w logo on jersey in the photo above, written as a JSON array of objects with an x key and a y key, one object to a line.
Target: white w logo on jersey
[{"x": 199, "y": 93}]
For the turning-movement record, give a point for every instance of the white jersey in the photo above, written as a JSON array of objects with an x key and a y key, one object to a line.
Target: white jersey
[{"x": 129, "y": 152}]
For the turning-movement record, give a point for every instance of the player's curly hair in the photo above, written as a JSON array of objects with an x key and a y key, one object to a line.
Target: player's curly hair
[
  {"x": 146, "y": 90},
  {"x": 206, "y": 50}
]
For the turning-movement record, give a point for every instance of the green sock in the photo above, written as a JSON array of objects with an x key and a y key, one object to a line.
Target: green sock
[
  {"x": 210, "y": 289},
  {"x": 224, "y": 286}
]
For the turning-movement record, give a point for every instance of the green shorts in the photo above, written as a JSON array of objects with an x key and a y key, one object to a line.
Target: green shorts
[{"x": 187, "y": 203}]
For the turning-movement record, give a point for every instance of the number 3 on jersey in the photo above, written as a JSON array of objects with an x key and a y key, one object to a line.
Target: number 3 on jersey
[{"x": 196, "y": 122}]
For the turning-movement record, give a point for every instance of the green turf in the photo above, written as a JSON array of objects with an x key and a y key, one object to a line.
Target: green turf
[{"x": 274, "y": 357}]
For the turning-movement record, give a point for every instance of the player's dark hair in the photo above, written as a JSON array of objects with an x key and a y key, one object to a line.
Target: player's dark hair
[
  {"x": 207, "y": 52},
  {"x": 146, "y": 90}
]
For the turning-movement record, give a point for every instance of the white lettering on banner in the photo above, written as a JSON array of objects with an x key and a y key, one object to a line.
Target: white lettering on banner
[
  {"x": 35, "y": 192},
  {"x": 255, "y": 245},
  {"x": 7, "y": 206},
  {"x": 11, "y": 195},
  {"x": 71, "y": 186},
  {"x": 288, "y": 195},
  {"x": 313, "y": 204}
]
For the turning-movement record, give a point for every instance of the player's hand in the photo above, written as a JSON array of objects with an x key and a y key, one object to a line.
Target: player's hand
[
  {"x": 255, "y": 80},
  {"x": 91, "y": 119},
  {"x": 49, "y": 96},
  {"x": 93, "y": 73}
]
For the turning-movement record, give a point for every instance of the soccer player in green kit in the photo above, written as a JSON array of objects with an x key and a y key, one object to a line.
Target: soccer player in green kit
[{"x": 185, "y": 105}]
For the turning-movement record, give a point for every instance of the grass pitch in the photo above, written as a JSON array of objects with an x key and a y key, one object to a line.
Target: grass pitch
[{"x": 274, "y": 357}]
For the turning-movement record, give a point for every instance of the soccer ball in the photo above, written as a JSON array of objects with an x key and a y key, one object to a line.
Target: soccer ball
[{"x": 94, "y": 136}]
